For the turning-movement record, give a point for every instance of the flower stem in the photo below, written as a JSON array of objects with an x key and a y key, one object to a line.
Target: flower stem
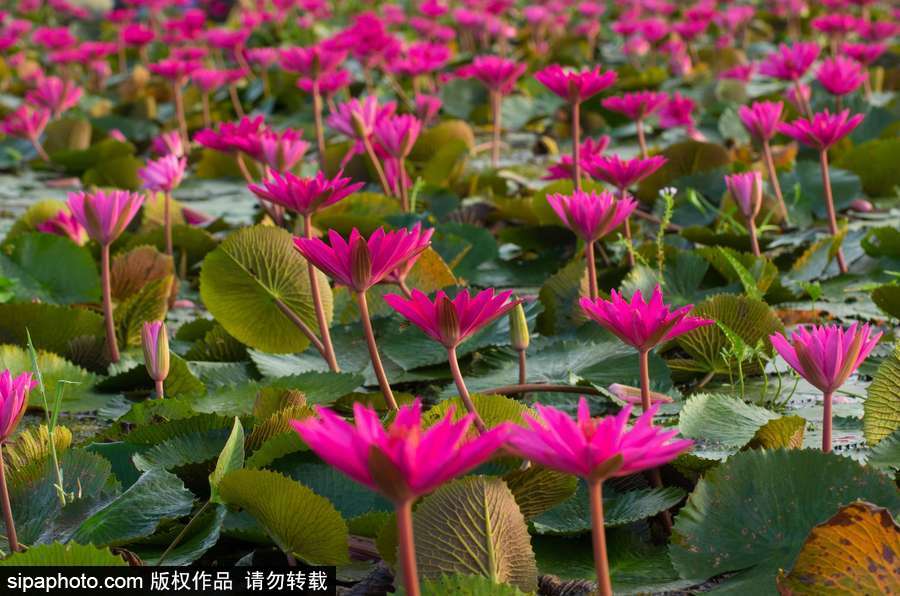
[
  {"x": 183, "y": 533},
  {"x": 801, "y": 99},
  {"x": 401, "y": 185},
  {"x": 754, "y": 242},
  {"x": 407, "y": 544},
  {"x": 463, "y": 391},
  {"x": 576, "y": 144},
  {"x": 644, "y": 366},
  {"x": 167, "y": 221},
  {"x": 622, "y": 195},
  {"x": 593, "y": 290},
  {"x": 376, "y": 163},
  {"x": 773, "y": 180},
  {"x": 106, "y": 284},
  {"x": 373, "y": 351},
  {"x": 642, "y": 140},
  {"x": 324, "y": 331},
  {"x": 179, "y": 113},
  {"x": 7, "y": 508},
  {"x": 523, "y": 367},
  {"x": 207, "y": 117},
  {"x": 826, "y": 423},
  {"x": 42, "y": 153},
  {"x": 829, "y": 204},
  {"x": 598, "y": 538},
  {"x": 497, "y": 112},
  {"x": 302, "y": 326},
  {"x": 159, "y": 390},
  {"x": 235, "y": 100},
  {"x": 320, "y": 129},
  {"x": 543, "y": 387}
]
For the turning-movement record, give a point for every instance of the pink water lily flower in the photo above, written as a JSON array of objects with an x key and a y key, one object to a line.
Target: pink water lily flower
[
  {"x": 169, "y": 143},
  {"x": 397, "y": 135},
  {"x": 13, "y": 401},
  {"x": 496, "y": 73},
  {"x": 576, "y": 85},
  {"x": 358, "y": 263},
  {"x": 357, "y": 119},
  {"x": 64, "y": 224},
  {"x": 637, "y": 105},
  {"x": 586, "y": 446},
  {"x": 826, "y": 356},
  {"x": 163, "y": 174},
  {"x": 761, "y": 118},
  {"x": 208, "y": 79},
  {"x": 231, "y": 137},
  {"x": 595, "y": 449},
  {"x": 174, "y": 69},
  {"x": 403, "y": 462},
  {"x": 589, "y": 150},
  {"x": 641, "y": 324},
  {"x": 427, "y": 107},
  {"x": 304, "y": 196},
  {"x": 280, "y": 151},
  {"x": 591, "y": 215},
  {"x": 746, "y": 190},
  {"x": 412, "y": 460},
  {"x": 623, "y": 173},
  {"x": 54, "y": 95},
  {"x": 789, "y": 63},
  {"x": 312, "y": 61},
  {"x": 864, "y": 53},
  {"x": 26, "y": 122},
  {"x": 104, "y": 214},
  {"x": 841, "y": 76},
  {"x": 823, "y": 130},
  {"x": 451, "y": 322}
]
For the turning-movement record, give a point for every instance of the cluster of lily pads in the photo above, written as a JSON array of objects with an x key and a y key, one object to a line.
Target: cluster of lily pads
[{"x": 460, "y": 297}]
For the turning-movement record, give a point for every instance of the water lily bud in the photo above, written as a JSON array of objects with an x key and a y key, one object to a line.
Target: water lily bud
[
  {"x": 155, "y": 341},
  {"x": 448, "y": 322},
  {"x": 360, "y": 263},
  {"x": 518, "y": 329}
]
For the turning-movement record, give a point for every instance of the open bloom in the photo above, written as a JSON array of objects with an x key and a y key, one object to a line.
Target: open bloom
[
  {"x": 155, "y": 342},
  {"x": 174, "y": 69},
  {"x": 825, "y": 356},
  {"x": 169, "y": 143},
  {"x": 591, "y": 215},
  {"x": 405, "y": 460},
  {"x": 279, "y": 151},
  {"x": 54, "y": 95},
  {"x": 575, "y": 86},
  {"x": 840, "y": 76},
  {"x": 789, "y": 63},
  {"x": 595, "y": 449},
  {"x": 26, "y": 123},
  {"x": 761, "y": 118},
  {"x": 104, "y": 214},
  {"x": 642, "y": 325},
  {"x": 357, "y": 119},
  {"x": 823, "y": 130},
  {"x": 163, "y": 174},
  {"x": 208, "y": 79},
  {"x": 397, "y": 135},
  {"x": 358, "y": 263},
  {"x": 304, "y": 196},
  {"x": 746, "y": 190},
  {"x": 589, "y": 150},
  {"x": 313, "y": 61},
  {"x": 427, "y": 107},
  {"x": 497, "y": 74},
  {"x": 622, "y": 173},
  {"x": 231, "y": 136},
  {"x": 64, "y": 224},
  {"x": 637, "y": 105},
  {"x": 13, "y": 401},
  {"x": 451, "y": 322},
  {"x": 864, "y": 53}
]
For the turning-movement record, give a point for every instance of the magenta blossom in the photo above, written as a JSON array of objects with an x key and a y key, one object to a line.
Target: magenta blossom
[
  {"x": 591, "y": 215},
  {"x": 397, "y": 135},
  {"x": 174, "y": 69},
  {"x": 841, "y": 76},
  {"x": 789, "y": 63},
  {"x": 575, "y": 86},
  {"x": 427, "y": 107},
  {"x": 451, "y": 322},
  {"x": 208, "y": 79},
  {"x": 864, "y": 53},
  {"x": 678, "y": 111},
  {"x": 169, "y": 143},
  {"x": 304, "y": 196},
  {"x": 588, "y": 151},
  {"x": 498, "y": 74},
  {"x": 54, "y": 95},
  {"x": 357, "y": 119},
  {"x": 358, "y": 263},
  {"x": 328, "y": 83},
  {"x": 746, "y": 190},
  {"x": 13, "y": 401},
  {"x": 587, "y": 447},
  {"x": 761, "y": 118},
  {"x": 823, "y": 130},
  {"x": 136, "y": 35},
  {"x": 230, "y": 137},
  {"x": 623, "y": 173},
  {"x": 406, "y": 460},
  {"x": 637, "y": 105},
  {"x": 312, "y": 61},
  {"x": 280, "y": 151},
  {"x": 642, "y": 325},
  {"x": 64, "y": 224},
  {"x": 826, "y": 356},
  {"x": 104, "y": 215},
  {"x": 163, "y": 174},
  {"x": 26, "y": 123}
]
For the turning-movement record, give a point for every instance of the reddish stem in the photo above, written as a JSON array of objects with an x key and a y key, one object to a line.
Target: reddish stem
[
  {"x": 598, "y": 538},
  {"x": 376, "y": 163},
  {"x": 754, "y": 242},
  {"x": 406, "y": 540},
  {"x": 179, "y": 113},
  {"x": 826, "y": 423},
  {"x": 773, "y": 179},
  {"x": 324, "y": 331},
  {"x": 463, "y": 391},
  {"x": 829, "y": 204},
  {"x": 302, "y": 326},
  {"x": 167, "y": 221},
  {"x": 593, "y": 289},
  {"x": 644, "y": 366},
  {"x": 576, "y": 144},
  {"x": 160, "y": 392},
  {"x": 7, "y": 508},
  {"x": 401, "y": 185},
  {"x": 523, "y": 367},
  {"x": 373, "y": 351},
  {"x": 320, "y": 129},
  {"x": 497, "y": 112},
  {"x": 642, "y": 141},
  {"x": 622, "y": 193},
  {"x": 106, "y": 284}
]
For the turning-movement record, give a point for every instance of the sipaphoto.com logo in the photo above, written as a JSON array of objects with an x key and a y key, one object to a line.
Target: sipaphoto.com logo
[{"x": 27, "y": 583}]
